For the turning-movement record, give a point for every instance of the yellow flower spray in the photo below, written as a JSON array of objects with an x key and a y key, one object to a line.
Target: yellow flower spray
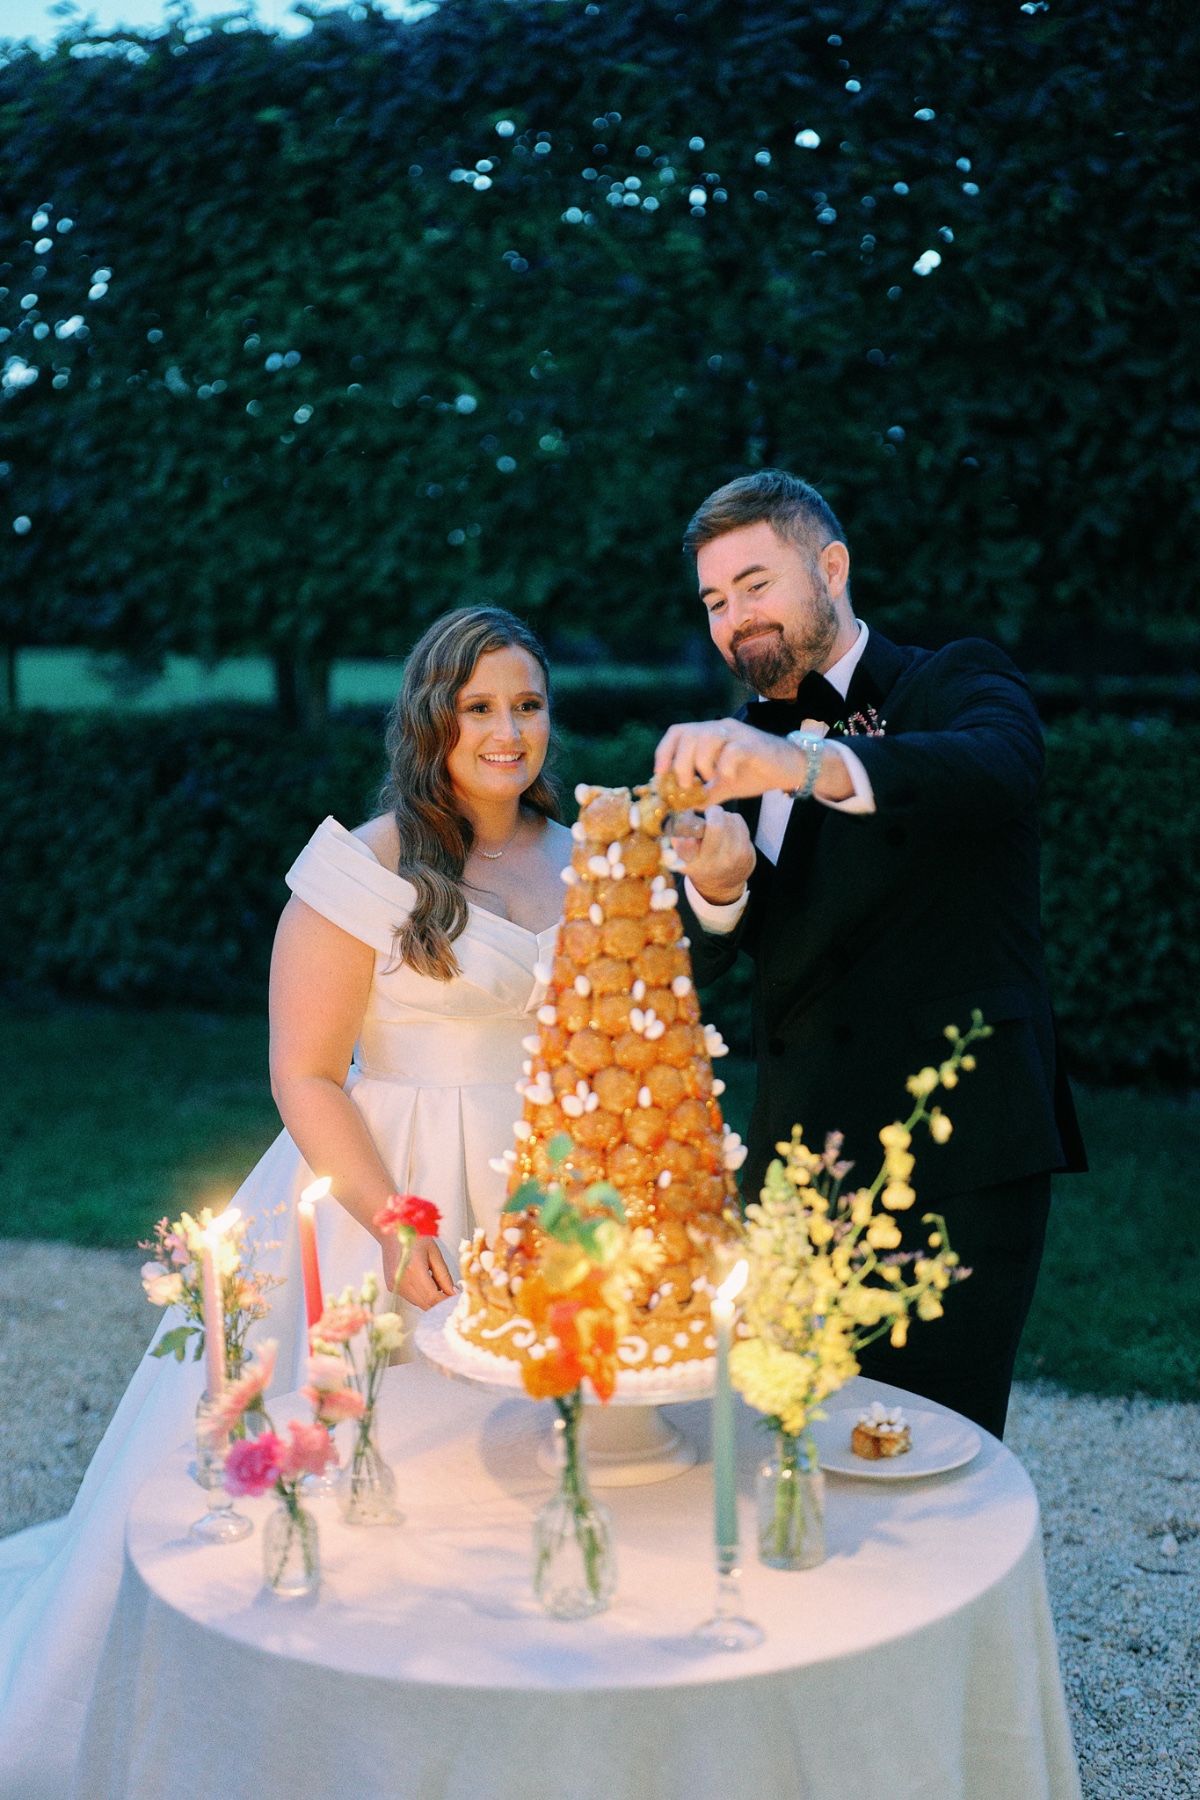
[{"x": 827, "y": 1276}]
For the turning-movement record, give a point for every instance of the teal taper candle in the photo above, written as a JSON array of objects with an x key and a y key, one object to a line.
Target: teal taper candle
[{"x": 724, "y": 1449}]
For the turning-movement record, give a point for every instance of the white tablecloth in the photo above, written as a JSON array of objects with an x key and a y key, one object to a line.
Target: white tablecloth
[{"x": 918, "y": 1661}]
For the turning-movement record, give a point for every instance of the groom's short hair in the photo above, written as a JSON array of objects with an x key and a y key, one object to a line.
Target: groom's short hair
[{"x": 790, "y": 506}]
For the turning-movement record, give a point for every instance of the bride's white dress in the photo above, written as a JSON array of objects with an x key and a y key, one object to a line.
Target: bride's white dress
[{"x": 433, "y": 1076}]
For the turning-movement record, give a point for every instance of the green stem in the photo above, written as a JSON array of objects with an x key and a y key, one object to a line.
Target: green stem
[
  {"x": 289, "y": 1494},
  {"x": 363, "y": 1445},
  {"x": 790, "y": 1525},
  {"x": 786, "y": 1491},
  {"x": 574, "y": 1486}
]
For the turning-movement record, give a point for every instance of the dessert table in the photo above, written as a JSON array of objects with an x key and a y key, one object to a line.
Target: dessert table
[{"x": 918, "y": 1660}]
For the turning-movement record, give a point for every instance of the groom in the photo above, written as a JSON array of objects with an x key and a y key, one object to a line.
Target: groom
[{"x": 880, "y": 864}]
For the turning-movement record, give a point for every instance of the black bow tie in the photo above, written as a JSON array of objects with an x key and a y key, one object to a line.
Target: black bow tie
[{"x": 816, "y": 698}]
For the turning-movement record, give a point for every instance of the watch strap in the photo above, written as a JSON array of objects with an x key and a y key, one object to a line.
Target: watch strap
[{"x": 814, "y": 753}]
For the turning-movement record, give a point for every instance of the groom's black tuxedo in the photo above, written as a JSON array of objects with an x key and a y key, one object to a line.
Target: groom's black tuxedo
[{"x": 875, "y": 931}]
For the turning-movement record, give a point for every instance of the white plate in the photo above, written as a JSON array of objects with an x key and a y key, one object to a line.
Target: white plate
[{"x": 940, "y": 1441}]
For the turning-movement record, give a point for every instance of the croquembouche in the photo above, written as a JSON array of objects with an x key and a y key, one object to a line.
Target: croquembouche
[{"x": 622, "y": 1066}]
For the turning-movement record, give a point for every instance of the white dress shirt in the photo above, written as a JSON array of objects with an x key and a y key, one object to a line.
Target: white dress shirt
[{"x": 776, "y": 810}]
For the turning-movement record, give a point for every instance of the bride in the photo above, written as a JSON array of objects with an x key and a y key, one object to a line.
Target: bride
[
  {"x": 402, "y": 982},
  {"x": 406, "y": 955}
]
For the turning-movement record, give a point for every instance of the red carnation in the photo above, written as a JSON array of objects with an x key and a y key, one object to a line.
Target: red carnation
[{"x": 421, "y": 1216}]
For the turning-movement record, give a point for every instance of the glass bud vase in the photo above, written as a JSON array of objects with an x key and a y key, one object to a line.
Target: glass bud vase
[
  {"x": 791, "y": 1505},
  {"x": 574, "y": 1569},
  {"x": 320, "y": 1487},
  {"x": 366, "y": 1486},
  {"x": 291, "y": 1551}
]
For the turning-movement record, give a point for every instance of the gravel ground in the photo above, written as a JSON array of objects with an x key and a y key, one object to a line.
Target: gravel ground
[
  {"x": 1119, "y": 1482},
  {"x": 74, "y": 1324}
]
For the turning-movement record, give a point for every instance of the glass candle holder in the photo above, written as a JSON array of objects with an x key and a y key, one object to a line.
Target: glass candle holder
[{"x": 220, "y": 1524}]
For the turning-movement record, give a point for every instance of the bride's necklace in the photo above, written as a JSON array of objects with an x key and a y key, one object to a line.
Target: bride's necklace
[{"x": 495, "y": 855}]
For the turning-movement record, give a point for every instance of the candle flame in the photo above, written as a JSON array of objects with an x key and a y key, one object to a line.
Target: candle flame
[
  {"x": 316, "y": 1190},
  {"x": 733, "y": 1283},
  {"x": 220, "y": 1225}
]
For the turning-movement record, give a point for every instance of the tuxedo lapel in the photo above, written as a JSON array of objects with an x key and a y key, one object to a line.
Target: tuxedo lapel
[
  {"x": 878, "y": 670},
  {"x": 778, "y": 892}
]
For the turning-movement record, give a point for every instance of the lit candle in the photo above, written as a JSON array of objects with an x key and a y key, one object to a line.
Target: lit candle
[
  {"x": 724, "y": 1449},
  {"x": 314, "y": 1304},
  {"x": 214, "y": 1311}
]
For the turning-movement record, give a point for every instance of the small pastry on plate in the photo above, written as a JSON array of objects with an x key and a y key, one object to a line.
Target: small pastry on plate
[{"x": 881, "y": 1431}]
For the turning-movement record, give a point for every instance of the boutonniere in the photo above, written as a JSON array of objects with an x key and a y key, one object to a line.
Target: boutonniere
[{"x": 861, "y": 724}]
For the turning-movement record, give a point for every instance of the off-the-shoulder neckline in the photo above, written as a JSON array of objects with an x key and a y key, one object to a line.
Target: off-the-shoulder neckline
[{"x": 360, "y": 845}]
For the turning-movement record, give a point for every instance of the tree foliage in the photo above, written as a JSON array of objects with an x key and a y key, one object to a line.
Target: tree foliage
[{"x": 511, "y": 381}]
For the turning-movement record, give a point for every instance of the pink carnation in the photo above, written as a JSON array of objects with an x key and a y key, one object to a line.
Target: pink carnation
[
  {"x": 240, "y": 1395},
  {"x": 252, "y": 1465},
  {"x": 308, "y": 1450},
  {"x": 338, "y": 1324},
  {"x": 333, "y": 1405},
  {"x": 421, "y": 1216}
]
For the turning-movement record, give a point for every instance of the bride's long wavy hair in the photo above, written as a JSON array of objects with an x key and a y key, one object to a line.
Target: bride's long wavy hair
[{"x": 435, "y": 838}]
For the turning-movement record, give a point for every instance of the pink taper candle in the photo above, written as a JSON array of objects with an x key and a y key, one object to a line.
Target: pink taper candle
[
  {"x": 214, "y": 1318},
  {"x": 314, "y": 1304}
]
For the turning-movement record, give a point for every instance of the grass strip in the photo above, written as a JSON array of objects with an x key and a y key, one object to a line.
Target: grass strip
[{"x": 108, "y": 1119}]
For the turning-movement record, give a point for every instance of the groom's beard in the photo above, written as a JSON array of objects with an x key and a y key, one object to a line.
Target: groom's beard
[{"x": 776, "y": 662}]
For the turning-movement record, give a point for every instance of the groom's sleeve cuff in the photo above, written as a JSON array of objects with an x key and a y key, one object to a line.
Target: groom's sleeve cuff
[
  {"x": 720, "y": 920},
  {"x": 862, "y": 800}
]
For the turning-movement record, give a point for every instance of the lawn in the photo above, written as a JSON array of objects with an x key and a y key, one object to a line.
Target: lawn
[{"x": 109, "y": 1119}]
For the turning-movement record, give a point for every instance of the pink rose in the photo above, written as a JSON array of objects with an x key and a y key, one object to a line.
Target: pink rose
[
  {"x": 332, "y": 1406},
  {"x": 253, "y": 1465},
  {"x": 308, "y": 1450},
  {"x": 421, "y": 1216}
]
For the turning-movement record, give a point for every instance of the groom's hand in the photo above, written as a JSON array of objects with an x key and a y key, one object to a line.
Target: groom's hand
[
  {"x": 721, "y": 862},
  {"x": 736, "y": 762}
]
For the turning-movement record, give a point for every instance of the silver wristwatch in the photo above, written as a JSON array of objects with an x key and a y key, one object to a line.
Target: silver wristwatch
[{"x": 814, "y": 752}]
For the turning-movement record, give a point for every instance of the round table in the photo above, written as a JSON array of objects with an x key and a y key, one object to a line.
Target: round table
[{"x": 918, "y": 1660}]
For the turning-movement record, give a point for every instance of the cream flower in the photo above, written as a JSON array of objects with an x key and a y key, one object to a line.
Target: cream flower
[
  {"x": 327, "y": 1372},
  {"x": 388, "y": 1331},
  {"x": 163, "y": 1288}
]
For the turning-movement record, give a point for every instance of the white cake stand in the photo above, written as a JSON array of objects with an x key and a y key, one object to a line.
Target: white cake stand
[{"x": 630, "y": 1442}]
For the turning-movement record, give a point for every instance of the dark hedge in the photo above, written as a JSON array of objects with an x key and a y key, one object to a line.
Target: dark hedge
[
  {"x": 143, "y": 862},
  {"x": 325, "y": 375},
  {"x": 1121, "y": 895}
]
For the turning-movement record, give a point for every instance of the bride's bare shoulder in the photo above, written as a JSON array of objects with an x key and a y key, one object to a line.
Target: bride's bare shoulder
[{"x": 382, "y": 840}]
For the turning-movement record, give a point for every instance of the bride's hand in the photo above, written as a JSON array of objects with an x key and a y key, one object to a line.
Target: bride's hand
[{"x": 426, "y": 1279}]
